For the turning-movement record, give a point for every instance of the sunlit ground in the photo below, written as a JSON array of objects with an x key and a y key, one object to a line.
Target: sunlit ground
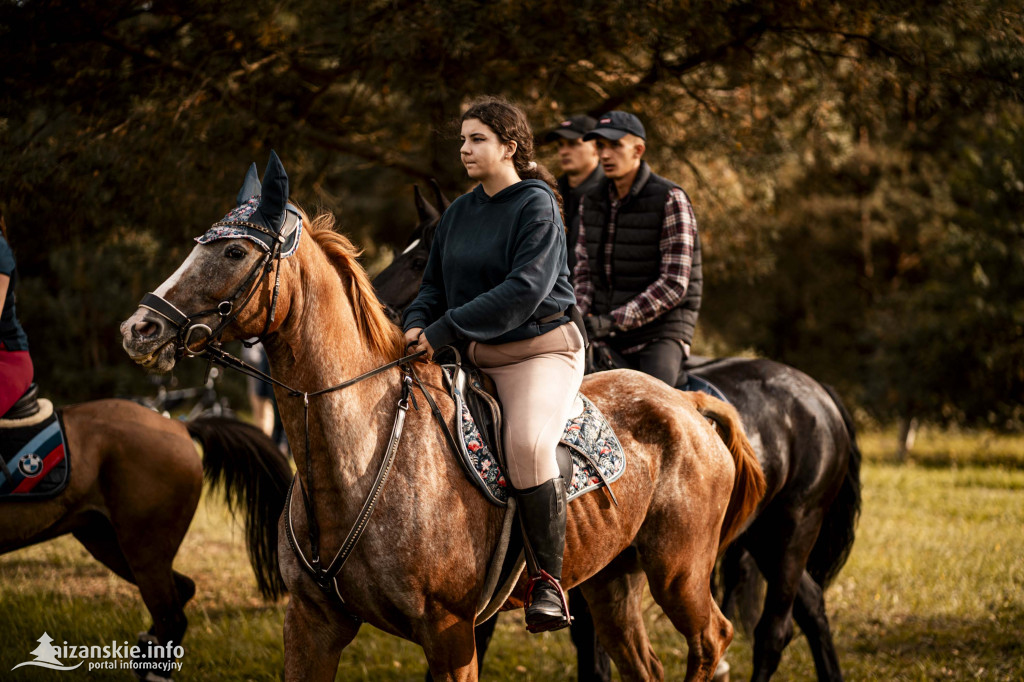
[{"x": 934, "y": 589}]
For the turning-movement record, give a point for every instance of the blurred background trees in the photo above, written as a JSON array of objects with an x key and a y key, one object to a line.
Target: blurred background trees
[{"x": 857, "y": 168}]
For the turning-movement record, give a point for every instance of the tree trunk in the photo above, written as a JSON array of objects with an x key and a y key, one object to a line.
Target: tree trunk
[{"x": 908, "y": 434}]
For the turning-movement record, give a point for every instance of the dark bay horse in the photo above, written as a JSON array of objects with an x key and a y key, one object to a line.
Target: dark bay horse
[
  {"x": 135, "y": 482},
  {"x": 418, "y": 568},
  {"x": 803, "y": 529}
]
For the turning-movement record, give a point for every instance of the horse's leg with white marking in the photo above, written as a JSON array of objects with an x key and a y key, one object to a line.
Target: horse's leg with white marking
[
  {"x": 678, "y": 556},
  {"x": 149, "y": 556},
  {"x": 314, "y": 636},
  {"x": 450, "y": 648},
  {"x": 686, "y": 599},
  {"x": 614, "y": 596}
]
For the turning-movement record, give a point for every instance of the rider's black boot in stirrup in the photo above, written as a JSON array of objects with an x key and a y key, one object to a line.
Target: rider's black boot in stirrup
[{"x": 542, "y": 512}]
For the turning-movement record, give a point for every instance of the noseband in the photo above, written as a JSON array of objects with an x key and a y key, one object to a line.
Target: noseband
[{"x": 227, "y": 310}]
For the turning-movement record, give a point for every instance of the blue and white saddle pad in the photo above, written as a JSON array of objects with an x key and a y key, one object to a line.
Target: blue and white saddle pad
[
  {"x": 597, "y": 456},
  {"x": 34, "y": 460}
]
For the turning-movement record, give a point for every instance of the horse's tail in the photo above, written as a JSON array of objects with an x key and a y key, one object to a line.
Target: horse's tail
[
  {"x": 254, "y": 475},
  {"x": 835, "y": 540},
  {"x": 749, "y": 485}
]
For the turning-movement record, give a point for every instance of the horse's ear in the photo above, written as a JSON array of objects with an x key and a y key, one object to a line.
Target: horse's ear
[
  {"x": 275, "y": 192},
  {"x": 427, "y": 236},
  {"x": 250, "y": 186},
  {"x": 424, "y": 209},
  {"x": 442, "y": 200}
]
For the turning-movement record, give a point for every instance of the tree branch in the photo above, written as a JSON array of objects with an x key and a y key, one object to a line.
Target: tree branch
[{"x": 680, "y": 68}]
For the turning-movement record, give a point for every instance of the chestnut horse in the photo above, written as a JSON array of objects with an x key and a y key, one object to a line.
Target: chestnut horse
[
  {"x": 135, "y": 482},
  {"x": 418, "y": 568},
  {"x": 803, "y": 529}
]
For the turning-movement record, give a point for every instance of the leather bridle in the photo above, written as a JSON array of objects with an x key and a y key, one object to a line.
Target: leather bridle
[
  {"x": 186, "y": 325},
  {"x": 227, "y": 310}
]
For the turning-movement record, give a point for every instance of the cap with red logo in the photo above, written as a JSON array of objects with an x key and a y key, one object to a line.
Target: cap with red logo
[{"x": 616, "y": 124}]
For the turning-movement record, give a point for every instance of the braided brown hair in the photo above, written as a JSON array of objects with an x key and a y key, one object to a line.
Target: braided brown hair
[{"x": 509, "y": 123}]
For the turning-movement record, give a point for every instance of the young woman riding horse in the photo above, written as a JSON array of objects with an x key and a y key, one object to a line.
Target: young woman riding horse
[
  {"x": 379, "y": 489},
  {"x": 803, "y": 530},
  {"x": 496, "y": 279}
]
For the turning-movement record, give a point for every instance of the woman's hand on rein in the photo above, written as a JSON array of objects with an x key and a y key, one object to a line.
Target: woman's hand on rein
[{"x": 415, "y": 341}]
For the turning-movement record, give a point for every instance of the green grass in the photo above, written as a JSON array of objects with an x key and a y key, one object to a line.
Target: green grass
[
  {"x": 934, "y": 590},
  {"x": 936, "y": 447}
]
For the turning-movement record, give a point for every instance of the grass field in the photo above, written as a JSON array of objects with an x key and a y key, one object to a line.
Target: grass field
[{"x": 934, "y": 590}]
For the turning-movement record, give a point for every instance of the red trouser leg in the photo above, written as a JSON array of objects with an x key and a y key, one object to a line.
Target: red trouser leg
[{"x": 15, "y": 377}]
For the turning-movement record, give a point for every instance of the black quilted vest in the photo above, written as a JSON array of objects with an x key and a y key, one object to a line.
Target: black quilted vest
[{"x": 636, "y": 257}]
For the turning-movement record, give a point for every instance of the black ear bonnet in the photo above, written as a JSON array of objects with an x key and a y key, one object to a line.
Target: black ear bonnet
[{"x": 263, "y": 214}]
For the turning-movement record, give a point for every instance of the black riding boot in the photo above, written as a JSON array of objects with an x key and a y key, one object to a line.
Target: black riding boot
[{"x": 542, "y": 512}]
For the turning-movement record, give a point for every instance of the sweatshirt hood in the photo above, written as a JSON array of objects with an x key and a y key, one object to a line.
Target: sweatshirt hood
[{"x": 512, "y": 192}]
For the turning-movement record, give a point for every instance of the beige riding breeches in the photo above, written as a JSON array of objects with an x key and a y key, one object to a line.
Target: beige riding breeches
[{"x": 537, "y": 381}]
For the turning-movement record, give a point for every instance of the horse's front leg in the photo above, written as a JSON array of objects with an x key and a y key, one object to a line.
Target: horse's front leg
[
  {"x": 450, "y": 648},
  {"x": 314, "y": 636}
]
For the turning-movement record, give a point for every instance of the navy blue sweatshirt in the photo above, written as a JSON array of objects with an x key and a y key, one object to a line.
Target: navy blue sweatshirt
[
  {"x": 11, "y": 334},
  {"x": 496, "y": 268}
]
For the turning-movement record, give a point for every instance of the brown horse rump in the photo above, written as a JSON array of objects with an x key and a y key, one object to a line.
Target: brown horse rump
[
  {"x": 595, "y": 456},
  {"x": 33, "y": 458}
]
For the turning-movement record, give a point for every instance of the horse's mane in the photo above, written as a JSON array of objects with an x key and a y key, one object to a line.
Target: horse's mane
[{"x": 379, "y": 333}]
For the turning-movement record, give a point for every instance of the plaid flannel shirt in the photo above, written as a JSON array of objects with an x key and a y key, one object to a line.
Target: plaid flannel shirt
[{"x": 678, "y": 234}]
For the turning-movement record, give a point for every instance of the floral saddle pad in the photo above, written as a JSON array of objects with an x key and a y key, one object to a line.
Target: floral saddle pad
[
  {"x": 597, "y": 457},
  {"x": 33, "y": 460}
]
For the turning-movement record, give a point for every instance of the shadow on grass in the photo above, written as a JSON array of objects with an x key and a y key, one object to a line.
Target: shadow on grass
[
  {"x": 989, "y": 648},
  {"x": 66, "y": 567},
  {"x": 944, "y": 460}
]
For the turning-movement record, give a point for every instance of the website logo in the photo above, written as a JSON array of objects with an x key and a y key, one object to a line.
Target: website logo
[
  {"x": 46, "y": 656},
  {"x": 147, "y": 656}
]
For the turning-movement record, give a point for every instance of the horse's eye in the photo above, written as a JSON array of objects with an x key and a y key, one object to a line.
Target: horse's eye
[
  {"x": 235, "y": 252},
  {"x": 419, "y": 264}
]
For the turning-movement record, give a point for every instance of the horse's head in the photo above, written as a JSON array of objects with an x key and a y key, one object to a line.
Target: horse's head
[
  {"x": 398, "y": 283},
  {"x": 228, "y": 287}
]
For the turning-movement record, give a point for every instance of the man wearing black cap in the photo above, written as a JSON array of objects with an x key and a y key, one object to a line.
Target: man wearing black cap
[
  {"x": 638, "y": 272},
  {"x": 580, "y": 171}
]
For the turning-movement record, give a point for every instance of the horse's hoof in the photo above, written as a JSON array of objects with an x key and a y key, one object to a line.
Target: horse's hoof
[
  {"x": 721, "y": 672},
  {"x": 146, "y": 638}
]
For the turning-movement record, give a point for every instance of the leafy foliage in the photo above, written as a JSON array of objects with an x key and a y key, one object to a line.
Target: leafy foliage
[{"x": 856, "y": 167}]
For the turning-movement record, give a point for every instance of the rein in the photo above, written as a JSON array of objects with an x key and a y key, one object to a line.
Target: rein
[
  {"x": 325, "y": 577},
  {"x": 226, "y": 309},
  {"x": 211, "y": 347}
]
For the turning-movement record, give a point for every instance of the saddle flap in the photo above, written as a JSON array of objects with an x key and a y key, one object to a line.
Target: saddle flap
[
  {"x": 482, "y": 400},
  {"x": 480, "y": 394},
  {"x": 565, "y": 464},
  {"x": 34, "y": 461}
]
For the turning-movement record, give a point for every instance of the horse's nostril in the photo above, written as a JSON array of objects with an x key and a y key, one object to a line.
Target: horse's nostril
[{"x": 145, "y": 329}]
